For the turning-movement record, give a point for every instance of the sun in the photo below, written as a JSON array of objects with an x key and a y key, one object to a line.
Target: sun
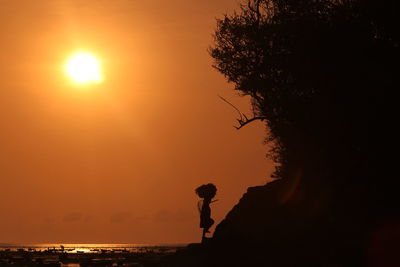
[{"x": 84, "y": 68}]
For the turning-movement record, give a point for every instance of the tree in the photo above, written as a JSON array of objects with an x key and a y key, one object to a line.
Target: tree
[
  {"x": 323, "y": 76},
  {"x": 320, "y": 73}
]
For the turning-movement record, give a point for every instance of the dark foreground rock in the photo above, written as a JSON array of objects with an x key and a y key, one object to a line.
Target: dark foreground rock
[{"x": 296, "y": 223}]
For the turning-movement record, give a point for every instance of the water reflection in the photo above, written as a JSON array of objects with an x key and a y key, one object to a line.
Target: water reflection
[{"x": 73, "y": 255}]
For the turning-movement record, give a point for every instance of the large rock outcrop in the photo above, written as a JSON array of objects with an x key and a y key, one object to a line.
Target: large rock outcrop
[
  {"x": 297, "y": 222},
  {"x": 301, "y": 222}
]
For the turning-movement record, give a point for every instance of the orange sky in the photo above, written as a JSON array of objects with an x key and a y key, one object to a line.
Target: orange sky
[{"x": 119, "y": 161}]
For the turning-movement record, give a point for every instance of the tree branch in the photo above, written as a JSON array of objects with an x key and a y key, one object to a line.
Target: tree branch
[
  {"x": 243, "y": 119},
  {"x": 243, "y": 123}
]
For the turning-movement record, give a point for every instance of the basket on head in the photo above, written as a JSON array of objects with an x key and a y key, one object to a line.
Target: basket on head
[{"x": 206, "y": 191}]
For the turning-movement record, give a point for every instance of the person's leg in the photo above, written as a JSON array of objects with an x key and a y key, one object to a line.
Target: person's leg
[
  {"x": 203, "y": 237},
  {"x": 210, "y": 223}
]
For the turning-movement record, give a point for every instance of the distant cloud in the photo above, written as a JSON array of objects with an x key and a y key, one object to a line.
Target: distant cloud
[
  {"x": 73, "y": 217},
  {"x": 165, "y": 216},
  {"x": 49, "y": 220},
  {"x": 120, "y": 217},
  {"x": 88, "y": 218}
]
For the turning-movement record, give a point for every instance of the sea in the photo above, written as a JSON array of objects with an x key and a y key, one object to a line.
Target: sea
[
  {"x": 77, "y": 255},
  {"x": 91, "y": 248}
]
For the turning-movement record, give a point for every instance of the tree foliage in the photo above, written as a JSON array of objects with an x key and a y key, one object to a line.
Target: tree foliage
[{"x": 321, "y": 73}]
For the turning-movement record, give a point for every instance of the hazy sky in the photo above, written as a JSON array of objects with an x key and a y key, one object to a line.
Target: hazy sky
[{"x": 119, "y": 161}]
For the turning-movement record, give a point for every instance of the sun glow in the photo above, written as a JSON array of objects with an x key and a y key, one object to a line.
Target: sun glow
[{"x": 84, "y": 68}]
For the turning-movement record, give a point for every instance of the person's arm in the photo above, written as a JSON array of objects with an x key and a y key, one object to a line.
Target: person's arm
[{"x": 200, "y": 205}]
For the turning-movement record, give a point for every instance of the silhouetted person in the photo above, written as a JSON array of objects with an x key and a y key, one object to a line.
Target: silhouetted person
[{"x": 207, "y": 193}]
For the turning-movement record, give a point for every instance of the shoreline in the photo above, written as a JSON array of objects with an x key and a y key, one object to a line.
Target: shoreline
[{"x": 138, "y": 256}]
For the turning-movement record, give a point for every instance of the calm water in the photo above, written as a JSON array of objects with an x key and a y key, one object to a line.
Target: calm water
[
  {"x": 92, "y": 248},
  {"x": 76, "y": 255}
]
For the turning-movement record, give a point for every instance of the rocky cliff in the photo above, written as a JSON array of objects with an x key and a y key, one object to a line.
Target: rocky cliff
[{"x": 299, "y": 222}]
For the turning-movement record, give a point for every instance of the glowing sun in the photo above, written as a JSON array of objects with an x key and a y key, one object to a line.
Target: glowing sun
[{"x": 84, "y": 68}]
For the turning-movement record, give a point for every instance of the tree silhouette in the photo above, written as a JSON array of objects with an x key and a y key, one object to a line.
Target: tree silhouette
[
  {"x": 318, "y": 72},
  {"x": 323, "y": 76}
]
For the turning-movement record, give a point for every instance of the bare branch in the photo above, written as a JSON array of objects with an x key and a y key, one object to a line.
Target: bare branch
[
  {"x": 229, "y": 103},
  {"x": 243, "y": 120},
  {"x": 247, "y": 121}
]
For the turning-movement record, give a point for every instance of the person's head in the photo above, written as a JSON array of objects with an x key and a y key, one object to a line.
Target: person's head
[{"x": 206, "y": 191}]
